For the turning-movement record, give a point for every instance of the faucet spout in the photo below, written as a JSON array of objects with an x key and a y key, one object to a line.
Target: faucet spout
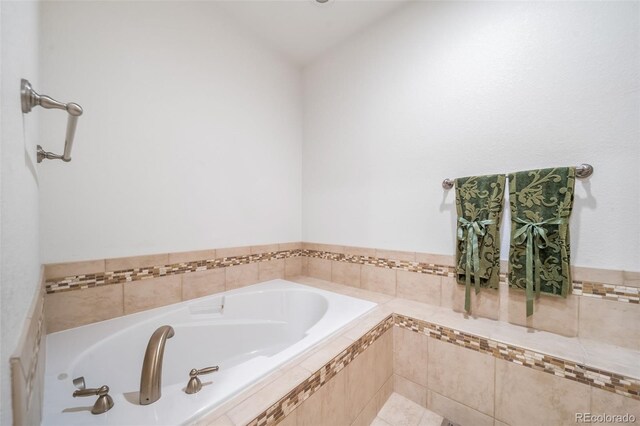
[{"x": 151, "y": 378}]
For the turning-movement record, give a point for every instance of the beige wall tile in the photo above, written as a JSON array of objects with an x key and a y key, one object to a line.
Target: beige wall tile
[
  {"x": 89, "y": 306},
  {"x": 264, "y": 248},
  {"x": 424, "y": 288},
  {"x": 151, "y": 293},
  {"x": 456, "y": 412},
  {"x": 304, "y": 260},
  {"x": 360, "y": 384},
  {"x": 485, "y": 304},
  {"x": 504, "y": 301},
  {"x": 333, "y": 248},
  {"x": 203, "y": 283},
  {"x": 608, "y": 402},
  {"x": 290, "y": 246},
  {"x": 435, "y": 259},
  {"x": 345, "y": 273},
  {"x": 410, "y": 390},
  {"x": 61, "y": 270},
  {"x": 29, "y": 332},
  {"x": 327, "y": 405},
  {"x": 320, "y": 268},
  {"x": 360, "y": 251},
  {"x": 383, "y": 358},
  {"x": 271, "y": 270},
  {"x": 191, "y": 256},
  {"x": 528, "y": 397},
  {"x": 595, "y": 275},
  {"x": 448, "y": 287},
  {"x": 309, "y": 246},
  {"x": 631, "y": 278},
  {"x": 375, "y": 404},
  {"x": 323, "y": 247},
  {"x": 233, "y": 251},
  {"x": 461, "y": 374},
  {"x": 241, "y": 275},
  {"x": 408, "y": 256},
  {"x": 609, "y": 321},
  {"x": 293, "y": 267},
  {"x": 410, "y": 355},
  {"x": 134, "y": 262},
  {"x": 378, "y": 279},
  {"x": 554, "y": 314}
]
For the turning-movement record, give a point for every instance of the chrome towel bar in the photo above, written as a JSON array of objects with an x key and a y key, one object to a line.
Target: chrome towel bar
[
  {"x": 582, "y": 171},
  {"x": 31, "y": 98}
]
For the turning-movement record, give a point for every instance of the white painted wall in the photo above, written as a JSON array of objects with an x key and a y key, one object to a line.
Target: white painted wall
[
  {"x": 19, "y": 257},
  {"x": 446, "y": 89},
  {"x": 190, "y": 139}
]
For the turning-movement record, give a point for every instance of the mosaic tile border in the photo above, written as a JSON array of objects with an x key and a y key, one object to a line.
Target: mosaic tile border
[
  {"x": 602, "y": 379},
  {"x": 308, "y": 387},
  {"x": 78, "y": 282},
  {"x": 29, "y": 373},
  {"x": 612, "y": 292},
  {"x": 612, "y": 382}
]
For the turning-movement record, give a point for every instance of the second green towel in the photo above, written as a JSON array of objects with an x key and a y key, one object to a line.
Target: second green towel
[{"x": 541, "y": 203}]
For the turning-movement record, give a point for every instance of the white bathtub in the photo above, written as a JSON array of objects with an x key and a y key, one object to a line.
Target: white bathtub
[{"x": 248, "y": 332}]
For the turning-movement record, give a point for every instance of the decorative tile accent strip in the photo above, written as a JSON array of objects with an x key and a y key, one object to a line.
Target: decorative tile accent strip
[
  {"x": 581, "y": 373},
  {"x": 603, "y": 291},
  {"x": 618, "y": 293},
  {"x": 308, "y": 387},
  {"x": 613, "y": 292},
  {"x": 37, "y": 343},
  {"x": 27, "y": 366},
  {"x": 57, "y": 285}
]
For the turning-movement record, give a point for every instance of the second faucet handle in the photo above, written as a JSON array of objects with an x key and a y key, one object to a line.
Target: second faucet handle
[
  {"x": 195, "y": 385},
  {"x": 104, "y": 402}
]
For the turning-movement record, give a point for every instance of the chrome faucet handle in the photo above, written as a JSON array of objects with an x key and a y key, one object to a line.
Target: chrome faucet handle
[
  {"x": 195, "y": 385},
  {"x": 104, "y": 402}
]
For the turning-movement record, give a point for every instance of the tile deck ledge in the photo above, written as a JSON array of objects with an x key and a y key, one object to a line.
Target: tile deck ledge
[
  {"x": 257, "y": 399},
  {"x": 605, "y": 356}
]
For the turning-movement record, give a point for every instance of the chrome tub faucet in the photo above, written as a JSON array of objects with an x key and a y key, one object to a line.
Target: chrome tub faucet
[{"x": 151, "y": 377}]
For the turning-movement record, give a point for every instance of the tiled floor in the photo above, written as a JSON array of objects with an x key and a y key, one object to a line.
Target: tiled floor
[{"x": 399, "y": 411}]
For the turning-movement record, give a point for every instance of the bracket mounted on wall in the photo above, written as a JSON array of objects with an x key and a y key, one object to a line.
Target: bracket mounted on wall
[{"x": 31, "y": 98}]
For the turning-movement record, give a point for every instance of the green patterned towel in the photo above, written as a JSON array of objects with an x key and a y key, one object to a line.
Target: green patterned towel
[
  {"x": 479, "y": 204},
  {"x": 541, "y": 202}
]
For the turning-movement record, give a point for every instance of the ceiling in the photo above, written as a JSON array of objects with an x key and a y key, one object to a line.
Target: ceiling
[{"x": 303, "y": 29}]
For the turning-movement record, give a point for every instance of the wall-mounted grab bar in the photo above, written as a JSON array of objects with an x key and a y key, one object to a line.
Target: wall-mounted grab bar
[
  {"x": 31, "y": 98},
  {"x": 582, "y": 171}
]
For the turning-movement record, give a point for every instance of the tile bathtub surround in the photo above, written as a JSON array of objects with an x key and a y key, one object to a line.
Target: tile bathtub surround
[
  {"x": 574, "y": 371},
  {"x": 357, "y": 398},
  {"x": 325, "y": 393},
  {"x": 626, "y": 289},
  {"x": 104, "y": 302},
  {"x": 352, "y": 266},
  {"x": 27, "y": 366},
  {"x": 130, "y": 269}
]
